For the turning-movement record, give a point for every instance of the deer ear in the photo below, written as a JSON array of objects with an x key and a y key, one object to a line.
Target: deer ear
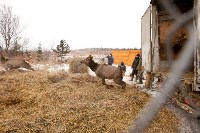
[{"x": 90, "y": 56}]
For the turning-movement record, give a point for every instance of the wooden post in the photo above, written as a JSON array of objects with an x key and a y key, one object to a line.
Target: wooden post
[{"x": 148, "y": 80}]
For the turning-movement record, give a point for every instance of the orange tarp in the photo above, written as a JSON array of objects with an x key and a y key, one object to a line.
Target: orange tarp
[{"x": 127, "y": 56}]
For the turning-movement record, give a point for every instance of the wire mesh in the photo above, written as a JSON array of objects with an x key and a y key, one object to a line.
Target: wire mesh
[{"x": 177, "y": 67}]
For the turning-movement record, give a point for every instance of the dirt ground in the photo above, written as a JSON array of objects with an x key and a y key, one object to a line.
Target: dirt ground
[{"x": 187, "y": 122}]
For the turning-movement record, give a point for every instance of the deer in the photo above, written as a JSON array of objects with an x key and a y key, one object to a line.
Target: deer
[
  {"x": 105, "y": 71},
  {"x": 14, "y": 63}
]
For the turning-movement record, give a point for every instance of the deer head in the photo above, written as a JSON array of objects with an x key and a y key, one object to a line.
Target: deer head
[
  {"x": 2, "y": 58},
  {"x": 88, "y": 60}
]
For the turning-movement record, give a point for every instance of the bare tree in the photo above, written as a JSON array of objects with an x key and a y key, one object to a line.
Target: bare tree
[
  {"x": 23, "y": 41},
  {"x": 10, "y": 27}
]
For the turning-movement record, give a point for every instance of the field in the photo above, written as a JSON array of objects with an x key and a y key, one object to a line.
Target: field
[{"x": 58, "y": 101}]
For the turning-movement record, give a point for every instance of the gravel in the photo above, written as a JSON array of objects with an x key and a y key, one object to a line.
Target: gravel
[{"x": 188, "y": 122}]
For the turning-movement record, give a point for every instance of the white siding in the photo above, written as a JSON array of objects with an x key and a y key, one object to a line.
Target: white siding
[
  {"x": 197, "y": 62},
  {"x": 155, "y": 44},
  {"x": 146, "y": 39}
]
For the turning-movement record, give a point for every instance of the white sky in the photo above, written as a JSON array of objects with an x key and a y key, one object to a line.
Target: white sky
[{"x": 82, "y": 23}]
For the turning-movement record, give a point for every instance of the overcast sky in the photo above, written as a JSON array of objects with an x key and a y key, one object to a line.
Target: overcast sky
[{"x": 82, "y": 23}]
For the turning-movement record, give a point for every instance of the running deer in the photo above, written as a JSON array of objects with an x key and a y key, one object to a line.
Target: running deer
[
  {"x": 105, "y": 71},
  {"x": 14, "y": 63}
]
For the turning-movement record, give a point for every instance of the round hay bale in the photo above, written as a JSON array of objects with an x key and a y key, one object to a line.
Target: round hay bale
[{"x": 75, "y": 66}]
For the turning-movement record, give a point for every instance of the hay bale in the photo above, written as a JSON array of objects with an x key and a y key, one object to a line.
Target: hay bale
[
  {"x": 75, "y": 66},
  {"x": 57, "y": 78}
]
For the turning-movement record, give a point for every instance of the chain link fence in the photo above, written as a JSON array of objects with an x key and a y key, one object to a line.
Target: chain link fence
[{"x": 177, "y": 67}]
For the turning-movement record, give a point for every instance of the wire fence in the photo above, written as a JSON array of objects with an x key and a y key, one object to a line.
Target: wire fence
[{"x": 177, "y": 67}]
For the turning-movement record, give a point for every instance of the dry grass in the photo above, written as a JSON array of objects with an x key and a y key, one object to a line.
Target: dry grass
[
  {"x": 165, "y": 122},
  {"x": 75, "y": 66},
  {"x": 61, "y": 102}
]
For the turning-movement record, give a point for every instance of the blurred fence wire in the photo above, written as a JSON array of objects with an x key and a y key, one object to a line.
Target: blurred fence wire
[{"x": 177, "y": 66}]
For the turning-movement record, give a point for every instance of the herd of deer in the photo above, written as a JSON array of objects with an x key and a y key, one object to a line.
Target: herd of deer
[{"x": 102, "y": 71}]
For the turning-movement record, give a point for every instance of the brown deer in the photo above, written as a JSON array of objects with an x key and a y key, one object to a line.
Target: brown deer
[
  {"x": 14, "y": 63},
  {"x": 105, "y": 71}
]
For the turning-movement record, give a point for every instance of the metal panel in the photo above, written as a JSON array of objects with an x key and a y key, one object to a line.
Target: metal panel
[
  {"x": 198, "y": 45},
  {"x": 155, "y": 44},
  {"x": 197, "y": 50},
  {"x": 146, "y": 39}
]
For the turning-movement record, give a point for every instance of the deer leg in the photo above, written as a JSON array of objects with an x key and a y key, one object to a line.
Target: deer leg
[
  {"x": 119, "y": 82},
  {"x": 118, "y": 78},
  {"x": 103, "y": 81},
  {"x": 27, "y": 66},
  {"x": 123, "y": 85},
  {"x": 8, "y": 66}
]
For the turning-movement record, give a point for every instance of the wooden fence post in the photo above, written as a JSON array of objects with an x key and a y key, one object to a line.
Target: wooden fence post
[{"x": 148, "y": 80}]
